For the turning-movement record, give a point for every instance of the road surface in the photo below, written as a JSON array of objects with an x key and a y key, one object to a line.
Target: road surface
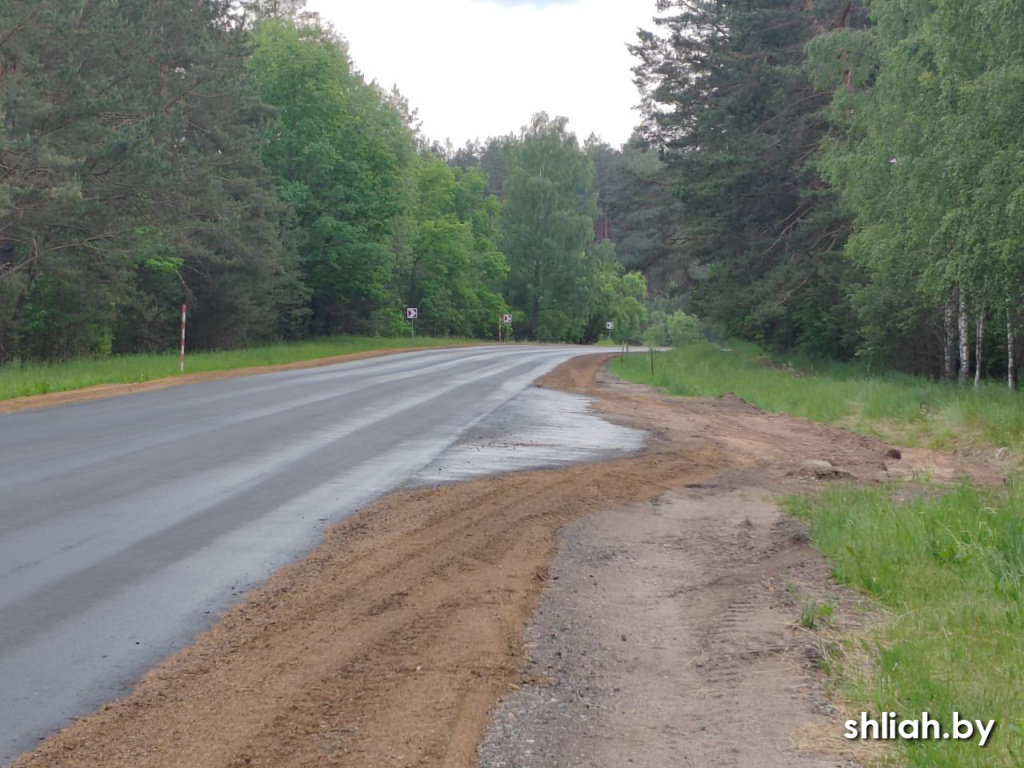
[{"x": 127, "y": 525}]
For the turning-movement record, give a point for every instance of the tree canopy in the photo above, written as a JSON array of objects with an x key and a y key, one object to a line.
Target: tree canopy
[
  {"x": 230, "y": 155},
  {"x": 809, "y": 174}
]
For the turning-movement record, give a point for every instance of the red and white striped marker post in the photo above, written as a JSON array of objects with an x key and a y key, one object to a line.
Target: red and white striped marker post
[{"x": 181, "y": 359}]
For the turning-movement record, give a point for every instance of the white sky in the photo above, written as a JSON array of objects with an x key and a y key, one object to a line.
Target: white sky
[{"x": 479, "y": 68}]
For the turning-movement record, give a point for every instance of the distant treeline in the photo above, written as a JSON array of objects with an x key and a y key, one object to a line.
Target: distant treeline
[
  {"x": 837, "y": 176},
  {"x": 229, "y": 155}
]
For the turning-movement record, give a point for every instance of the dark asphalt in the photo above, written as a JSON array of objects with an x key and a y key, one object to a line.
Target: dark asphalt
[{"x": 127, "y": 525}]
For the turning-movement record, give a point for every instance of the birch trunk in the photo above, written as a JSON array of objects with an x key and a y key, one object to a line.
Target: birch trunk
[
  {"x": 965, "y": 343},
  {"x": 949, "y": 347},
  {"x": 1011, "y": 375},
  {"x": 979, "y": 341}
]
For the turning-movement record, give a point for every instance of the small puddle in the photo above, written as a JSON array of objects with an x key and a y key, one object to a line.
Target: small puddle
[{"x": 538, "y": 429}]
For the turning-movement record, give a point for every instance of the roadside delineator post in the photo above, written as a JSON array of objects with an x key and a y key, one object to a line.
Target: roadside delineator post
[{"x": 181, "y": 357}]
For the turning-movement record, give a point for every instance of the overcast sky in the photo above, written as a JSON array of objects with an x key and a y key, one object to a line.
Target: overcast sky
[{"x": 479, "y": 68}]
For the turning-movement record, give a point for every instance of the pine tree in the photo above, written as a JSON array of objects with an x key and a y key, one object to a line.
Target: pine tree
[
  {"x": 735, "y": 121},
  {"x": 129, "y": 179}
]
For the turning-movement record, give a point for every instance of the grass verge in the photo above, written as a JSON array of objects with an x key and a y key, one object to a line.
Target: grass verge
[
  {"x": 20, "y": 381},
  {"x": 896, "y": 407},
  {"x": 949, "y": 571}
]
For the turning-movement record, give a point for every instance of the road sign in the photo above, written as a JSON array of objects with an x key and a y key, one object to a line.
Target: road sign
[
  {"x": 506, "y": 319},
  {"x": 411, "y": 313},
  {"x": 609, "y": 326}
]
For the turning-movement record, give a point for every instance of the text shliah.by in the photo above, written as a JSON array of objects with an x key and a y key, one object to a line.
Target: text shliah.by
[{"x": 890, "y": 726}]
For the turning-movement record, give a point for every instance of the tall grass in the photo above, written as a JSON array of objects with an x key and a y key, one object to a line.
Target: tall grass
[
  {"x": 19, "y": 381},
  {"x": 950, "y": 571},
  {"x": 895, "y": 407}
]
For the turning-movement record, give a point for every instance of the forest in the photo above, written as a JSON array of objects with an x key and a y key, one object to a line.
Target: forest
[
  {"x": 838, "y": 177},
  {"x": 230, "y": 156}
]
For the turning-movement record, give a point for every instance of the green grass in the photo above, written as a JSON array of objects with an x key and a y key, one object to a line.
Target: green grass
[
  {"x": 895, "y": 407},
  {"x": 19, "y": 381},
  {"x": 949, "y": 571}
]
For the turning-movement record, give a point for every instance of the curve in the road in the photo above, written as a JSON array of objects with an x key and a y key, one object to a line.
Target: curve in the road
[{"x": 127, "y": 525}]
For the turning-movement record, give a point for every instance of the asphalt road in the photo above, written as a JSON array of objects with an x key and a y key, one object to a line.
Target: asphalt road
[{"x": 127, "y": 525}]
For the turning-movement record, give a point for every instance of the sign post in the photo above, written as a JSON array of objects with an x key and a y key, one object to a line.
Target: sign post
[
  {"x": 181, "y": 357},
  {"x": 505, "y": 320},
  {"x": 609, "y": 326},
  {"x": 411, "y": 313}
]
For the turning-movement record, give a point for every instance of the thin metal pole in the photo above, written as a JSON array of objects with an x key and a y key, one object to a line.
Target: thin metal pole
[{"x": 181, "y": 357}]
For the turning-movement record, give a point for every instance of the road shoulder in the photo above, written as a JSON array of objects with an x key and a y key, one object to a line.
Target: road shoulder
[
  {"x": 670, "y": 635},
  {"x": 391, "y": 643}
]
